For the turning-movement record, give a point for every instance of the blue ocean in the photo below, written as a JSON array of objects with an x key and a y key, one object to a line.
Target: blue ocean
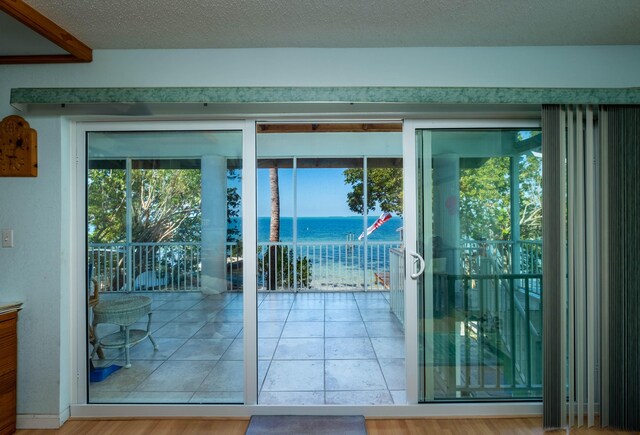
[{"x": 330, "y": 229}]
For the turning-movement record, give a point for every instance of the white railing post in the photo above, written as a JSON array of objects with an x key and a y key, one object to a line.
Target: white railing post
[
  {"x": 295, "y": 224},
  {"x": 396, "y": 283}
]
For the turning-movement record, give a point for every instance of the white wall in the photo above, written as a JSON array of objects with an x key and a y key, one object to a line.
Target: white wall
[
  {"x": 37, "y": 270},
  {"x": 31, "y": 271},
  {"x": 599, "y": 66}
]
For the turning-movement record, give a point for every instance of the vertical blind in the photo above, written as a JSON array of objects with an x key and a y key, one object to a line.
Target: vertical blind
[
  {"x": 622, "y": 406},
  {"x": 553, "y": 151},
  {"x": 592, "y": 304},
  {"x": 583, "y": 287}
]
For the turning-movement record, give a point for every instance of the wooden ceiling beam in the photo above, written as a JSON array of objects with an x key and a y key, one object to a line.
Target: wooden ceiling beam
[
  {"x": 21, "y": 11},
  {"x": 39, "y": 58},
  {"x": 330, "y": 128}
]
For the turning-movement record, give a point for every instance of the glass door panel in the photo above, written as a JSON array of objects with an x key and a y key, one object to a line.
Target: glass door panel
[
  {"x": 164, "y": 244},
  {"x": 479, "y": 212}
]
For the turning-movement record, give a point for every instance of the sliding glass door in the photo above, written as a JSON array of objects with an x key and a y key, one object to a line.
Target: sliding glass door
[
  {"x": 478, "y": 196},
  {"x": 436, "y": 291},
  {"x": 165, "y": 230}
]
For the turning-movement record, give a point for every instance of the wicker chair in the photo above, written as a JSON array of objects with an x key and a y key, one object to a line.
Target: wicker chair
[{"x": 93, "y": 299}]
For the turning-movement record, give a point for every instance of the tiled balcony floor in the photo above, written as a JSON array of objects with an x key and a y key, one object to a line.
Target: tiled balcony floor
[{"x": 313, "y": 348}]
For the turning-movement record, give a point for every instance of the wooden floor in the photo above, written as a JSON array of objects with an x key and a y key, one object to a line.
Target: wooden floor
[{"x": 511, "y": 426}]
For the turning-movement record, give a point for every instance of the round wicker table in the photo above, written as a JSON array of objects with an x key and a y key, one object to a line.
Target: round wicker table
[{"x": 123, "y": 312}]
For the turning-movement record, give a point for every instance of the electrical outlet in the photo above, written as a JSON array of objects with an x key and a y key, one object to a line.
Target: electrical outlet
[{"x": 7, "y": 238}]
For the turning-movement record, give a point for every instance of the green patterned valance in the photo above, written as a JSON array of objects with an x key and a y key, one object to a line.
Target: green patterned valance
[{"x": 21, "y": 98}]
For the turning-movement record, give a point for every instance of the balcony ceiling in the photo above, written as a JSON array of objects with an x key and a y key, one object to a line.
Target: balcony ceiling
[{"x": 194, "y": 24}]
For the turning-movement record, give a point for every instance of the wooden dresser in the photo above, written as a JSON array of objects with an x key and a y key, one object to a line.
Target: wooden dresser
[{"x": 8, "y": 371}]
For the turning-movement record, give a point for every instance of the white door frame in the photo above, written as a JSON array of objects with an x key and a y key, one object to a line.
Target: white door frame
[
  {"x": 80, "y": 407},
  {"x": 247, "y": 127}
]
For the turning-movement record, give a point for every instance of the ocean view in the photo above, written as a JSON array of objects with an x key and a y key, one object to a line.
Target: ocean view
[
  {"x": 337, "y": 259},
  {"x": 330, "y": 229}
]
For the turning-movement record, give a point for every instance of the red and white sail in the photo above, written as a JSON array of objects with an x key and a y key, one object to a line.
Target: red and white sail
[{"x": 377, "y": 224}]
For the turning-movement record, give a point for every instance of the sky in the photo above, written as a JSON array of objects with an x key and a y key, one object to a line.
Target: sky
[{"x": 321, "y": 192}]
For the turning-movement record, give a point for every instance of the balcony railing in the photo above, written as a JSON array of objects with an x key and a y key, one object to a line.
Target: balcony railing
[
  {"x": 500, "y": 337},
  {"x": 519, "y": 257},
  {"x": 493, "y": 315},
  {"x": 177, "y": 266},
  {"x": 324, "y": 265},
  {"x": 156, "y": 266},
  {"x": 313, "y": 266}
]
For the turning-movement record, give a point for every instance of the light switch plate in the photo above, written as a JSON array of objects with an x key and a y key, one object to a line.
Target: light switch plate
[{"x": 7, "y": 238}]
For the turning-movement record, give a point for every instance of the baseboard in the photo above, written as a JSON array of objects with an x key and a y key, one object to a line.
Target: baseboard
[{"x": 41, "y": 421}]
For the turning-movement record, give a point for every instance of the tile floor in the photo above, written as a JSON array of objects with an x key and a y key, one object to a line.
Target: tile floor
[{"x": 313, "y": 348}]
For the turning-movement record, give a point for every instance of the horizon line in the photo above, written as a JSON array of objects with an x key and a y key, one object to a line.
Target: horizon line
[{"x": 332, "y": 216}]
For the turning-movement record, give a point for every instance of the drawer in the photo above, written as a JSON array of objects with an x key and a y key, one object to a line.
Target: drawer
[
  {"x": 8, "y": 372},
  {"x": 9, "y": 349},
  {"x": 7, "y": 324},
  {"x": 7, "y": 403},
  {"x": 7, "y": 384}
]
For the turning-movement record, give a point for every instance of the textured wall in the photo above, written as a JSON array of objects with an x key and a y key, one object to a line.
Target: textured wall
[{"x": 32, "y": 271}]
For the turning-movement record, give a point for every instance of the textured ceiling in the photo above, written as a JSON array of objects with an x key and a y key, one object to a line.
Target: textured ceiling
[{"x": 149, "y": 24}]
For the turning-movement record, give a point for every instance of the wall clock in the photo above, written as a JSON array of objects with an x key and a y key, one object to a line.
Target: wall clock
[{"x": 18, "y": 148}]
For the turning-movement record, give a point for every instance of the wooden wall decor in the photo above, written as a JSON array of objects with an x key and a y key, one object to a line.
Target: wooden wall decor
[{"x": 18, "y": 148}]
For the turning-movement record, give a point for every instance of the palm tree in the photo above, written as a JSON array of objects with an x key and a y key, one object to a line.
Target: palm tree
[{"x": 274, "y": 227}]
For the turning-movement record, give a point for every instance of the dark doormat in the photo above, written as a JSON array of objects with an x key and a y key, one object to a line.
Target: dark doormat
[{"x": 306, "y": 425}]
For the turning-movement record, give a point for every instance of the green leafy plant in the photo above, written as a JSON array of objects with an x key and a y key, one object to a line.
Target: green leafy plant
[{"x": 281, "y": 259}]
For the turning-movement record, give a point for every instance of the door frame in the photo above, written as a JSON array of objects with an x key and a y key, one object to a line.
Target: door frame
[{"x": 79, "y": 127}]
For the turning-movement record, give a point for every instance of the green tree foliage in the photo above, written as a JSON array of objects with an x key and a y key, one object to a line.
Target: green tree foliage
[
  {"x": 233, "y": 209},
  {"x": 106, "y": 205},
  {"x": 276, "y": 268},
  {"x": 485, "y": 199},
  {"x": 531, "y": 198},
  {"x": 384, "y": 189},
  {"x": 165, "y": 205}
]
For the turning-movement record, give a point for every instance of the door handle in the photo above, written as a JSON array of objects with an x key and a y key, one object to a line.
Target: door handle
[{"x": 420, "y": 260}]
